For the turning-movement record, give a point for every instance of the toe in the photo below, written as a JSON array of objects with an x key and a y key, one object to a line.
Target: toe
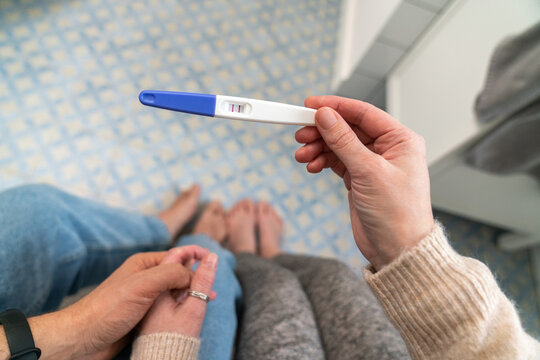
[
  {"x": 246, "y": 204},
  {"x": 236, "y": 207},
  {"x": 264, "y": 207},
  {"x": 229, "y": 215},
  {"x": 194, "y": 190},
  {"x": 258, "y": 209},
  {"x": 250, "y": 206},
  {"x": 218, "y": 209},
  {"x": 213, "y": 207},
  {"x": 275, "y": 214},
  {"x": 189, "y": 192}
]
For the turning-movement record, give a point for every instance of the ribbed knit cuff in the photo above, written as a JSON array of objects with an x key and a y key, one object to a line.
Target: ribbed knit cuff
[
  {"x": 433, "y": 295},
  {"x": 164, "y": 346}
]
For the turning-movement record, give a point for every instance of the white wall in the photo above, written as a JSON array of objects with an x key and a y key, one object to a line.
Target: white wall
[
  {"x": 433, "y": 90},
  {"x": 361, "y": 23}
]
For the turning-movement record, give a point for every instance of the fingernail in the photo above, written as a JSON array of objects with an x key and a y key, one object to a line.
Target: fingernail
[
  {"x": 326, "y": 118},
  {"x": 212, "y": 260}
]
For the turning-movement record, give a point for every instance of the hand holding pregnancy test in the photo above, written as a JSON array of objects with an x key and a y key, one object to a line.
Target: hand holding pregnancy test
[{"x": 229, "y": 107}]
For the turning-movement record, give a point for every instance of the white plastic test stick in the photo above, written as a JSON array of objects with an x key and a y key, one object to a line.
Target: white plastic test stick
[{"x": 229, "y": 107}]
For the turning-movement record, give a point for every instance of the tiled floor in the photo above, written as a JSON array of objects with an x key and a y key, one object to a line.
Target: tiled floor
[
  {"x": 70, "y": 74},
  {"x": 69, "y": 82}
]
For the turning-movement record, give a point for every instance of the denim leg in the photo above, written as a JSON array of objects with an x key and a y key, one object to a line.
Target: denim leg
[
  {"x": 219, "y": 327},
  {"x": 53, "y": 243}
]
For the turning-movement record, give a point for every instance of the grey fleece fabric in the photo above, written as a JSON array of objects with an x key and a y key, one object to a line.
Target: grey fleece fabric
[
  {"x": 350, "y": 322},
  {"x": 277, "y": 321},
  {"x": 513, "y": 78},
  {"x": 512, "y": 147},
  {"x": 512, "y": 95}
]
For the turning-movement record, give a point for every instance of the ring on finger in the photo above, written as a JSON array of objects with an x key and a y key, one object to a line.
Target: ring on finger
[{"x": 199, "y": 295}]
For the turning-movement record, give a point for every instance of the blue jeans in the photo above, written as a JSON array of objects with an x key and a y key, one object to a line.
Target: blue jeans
[{"x": 52, "y": 244}]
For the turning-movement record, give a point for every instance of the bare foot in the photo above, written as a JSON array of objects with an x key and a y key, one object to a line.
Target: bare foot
[
  {"x": 241, "y": 226},
  {"x": 212, "y": 222},
  {"x": 181, "y": 211},
  {"x": 270, "y": 230}
]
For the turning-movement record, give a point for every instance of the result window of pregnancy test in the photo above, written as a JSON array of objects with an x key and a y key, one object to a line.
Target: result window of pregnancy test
[
  {"x": 235, "y": 107},
  {"x": 239, "y": 108}
]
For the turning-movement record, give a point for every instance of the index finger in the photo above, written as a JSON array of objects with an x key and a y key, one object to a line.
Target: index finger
[
  {"x": 202, "y": 282},
  {"x": 140, "y": 261},
  {"x": 203, "y": 279},
  {"x": 184, "y": 254},
  {"x": 373, "y": 121}
]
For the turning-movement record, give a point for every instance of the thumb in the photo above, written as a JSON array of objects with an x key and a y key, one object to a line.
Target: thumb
[
  {"x": 193, "y": 310},
  {"x": 152, "y": 282},
  {"x": 340, "y": 138}
]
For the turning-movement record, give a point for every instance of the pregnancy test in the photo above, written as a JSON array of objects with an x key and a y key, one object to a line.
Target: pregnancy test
[{"x": 229, "y": 107}]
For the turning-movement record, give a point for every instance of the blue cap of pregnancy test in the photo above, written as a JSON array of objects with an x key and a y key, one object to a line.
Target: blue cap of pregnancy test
[{"x": 199, "y": 104}]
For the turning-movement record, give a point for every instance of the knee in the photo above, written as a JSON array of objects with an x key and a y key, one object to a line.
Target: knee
[
  {"x": 336, "y": 267},
  {"x": 33, "y": 190},
  {"x": 29, "y": 204}
]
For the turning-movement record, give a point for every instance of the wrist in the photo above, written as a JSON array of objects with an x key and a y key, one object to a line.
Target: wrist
[
  {"x": 4, "y": 347},
  {"x": 57, "y": 335},
  {"x": 404, "y": 239}
]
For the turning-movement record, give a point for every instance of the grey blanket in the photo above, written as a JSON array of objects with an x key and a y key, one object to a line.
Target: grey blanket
[{"x": 511, "y": 94}]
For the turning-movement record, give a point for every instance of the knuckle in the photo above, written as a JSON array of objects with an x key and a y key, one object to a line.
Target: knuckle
[
  {"x": 414, "y": 140},
  {"x": 134, "y": 259},
  {"x": 417, "y": 141},
  {"x": 342, "y": 139},
  {"x": 369, "y": 108},
  {"x": 403, "y": 133},
  {"x": 181, "y": 269},
  {"x": 421, "y": 143},
  {"x": 181, "y": 275}
]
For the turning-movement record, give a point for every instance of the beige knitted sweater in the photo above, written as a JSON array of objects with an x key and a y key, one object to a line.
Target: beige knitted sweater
[
  {"x": 165, "y": 346},
  {"x": 448, "y": 306},
  {"x": 445, "y": 306}
]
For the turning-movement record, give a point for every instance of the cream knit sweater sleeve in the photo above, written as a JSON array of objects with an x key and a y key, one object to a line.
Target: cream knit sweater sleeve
[
  {"x": 165, "y": 346},
  {"x": 447, "y": 306}
]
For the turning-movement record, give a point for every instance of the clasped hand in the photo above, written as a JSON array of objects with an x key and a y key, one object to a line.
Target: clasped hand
[{"x": 147, "y": 287}]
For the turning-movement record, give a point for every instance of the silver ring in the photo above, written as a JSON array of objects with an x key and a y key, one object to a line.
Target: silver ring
[{"x": 199, "y": 295}]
